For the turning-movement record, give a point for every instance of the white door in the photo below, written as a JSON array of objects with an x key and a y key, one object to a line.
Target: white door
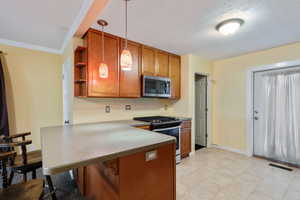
[
  {"x": 67, "y": 91},
  {"x": 257, "y": 114},
  {"x": 200, "y": 109},
  {"x": 276, "y": 115}
]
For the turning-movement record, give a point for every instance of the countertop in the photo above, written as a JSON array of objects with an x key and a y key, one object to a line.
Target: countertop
[{"x": 73, "y": 146}]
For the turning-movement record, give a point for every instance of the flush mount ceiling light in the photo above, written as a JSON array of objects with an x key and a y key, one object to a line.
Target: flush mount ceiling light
[
  {"x": 103, "y": 69},
  {"x": 230, "y": 26}
]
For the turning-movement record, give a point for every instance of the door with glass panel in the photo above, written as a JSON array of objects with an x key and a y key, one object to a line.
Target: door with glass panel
[{"x": 276, "y": 115}]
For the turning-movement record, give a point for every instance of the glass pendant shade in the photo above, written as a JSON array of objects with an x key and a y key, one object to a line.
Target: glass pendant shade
[
  {"x": 103, "y": 70},
  {"x": 126, "y": 60}
]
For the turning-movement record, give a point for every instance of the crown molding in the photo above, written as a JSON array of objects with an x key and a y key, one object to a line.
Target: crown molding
[{"x": 29, "y": 46}]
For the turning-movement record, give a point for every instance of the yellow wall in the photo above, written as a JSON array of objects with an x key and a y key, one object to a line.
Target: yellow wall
[
  {"x": 34, "y": 89},
  {"x": 185, "y": 107},
  {"x": 229, "y": 102}
]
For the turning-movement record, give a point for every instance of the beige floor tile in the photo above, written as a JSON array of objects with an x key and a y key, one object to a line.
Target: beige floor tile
[
  {"x": 214, "y": 174},
  {"x": 259, "y": 196},
  {"x": 292, "y": 195}
]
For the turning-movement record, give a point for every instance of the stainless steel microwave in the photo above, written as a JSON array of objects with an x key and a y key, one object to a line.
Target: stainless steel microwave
[{"x": 154, "y": 86}]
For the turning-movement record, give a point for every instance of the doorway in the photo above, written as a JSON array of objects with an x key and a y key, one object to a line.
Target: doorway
[
  {"x": 200, "y": 111},
  {"x": 276, "y": 115}
]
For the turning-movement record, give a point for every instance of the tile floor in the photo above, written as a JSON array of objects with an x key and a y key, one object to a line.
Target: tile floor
[{"x": 213, "y": 174}]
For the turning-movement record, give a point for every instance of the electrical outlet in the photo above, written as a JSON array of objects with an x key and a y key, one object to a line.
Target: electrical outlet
[
  {"x": 107, "y": 109},
  {"x": 127, "y": 107},
  {"x": 166, "y": 106}
]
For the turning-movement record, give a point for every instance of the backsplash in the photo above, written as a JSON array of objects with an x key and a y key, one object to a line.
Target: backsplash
[{"x": 95, "y": 110}]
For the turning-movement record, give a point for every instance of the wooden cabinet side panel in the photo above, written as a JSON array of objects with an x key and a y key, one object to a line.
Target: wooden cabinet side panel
[
  {"x": 185, "y": 142},
  {"x": 130, "y": 81},
  {"x": 103, "y": 87},
  {"x": 175, "y": 75},
  {"x": 152, "y": 180}
]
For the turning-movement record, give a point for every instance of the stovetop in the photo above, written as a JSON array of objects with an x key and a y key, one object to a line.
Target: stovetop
[{"x": 156, "y": 119}]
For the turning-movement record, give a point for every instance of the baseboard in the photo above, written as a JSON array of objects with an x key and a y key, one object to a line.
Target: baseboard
[{"x": 230, "y": 149}]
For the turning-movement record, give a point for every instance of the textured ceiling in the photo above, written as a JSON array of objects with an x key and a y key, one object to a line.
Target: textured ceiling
[
  {"x": 188, "y": 26},
  {"x": 38, "y": 22}
]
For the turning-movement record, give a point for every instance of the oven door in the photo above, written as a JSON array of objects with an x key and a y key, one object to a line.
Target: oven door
[
  {"x": 156, "y": 87},
  {"x": 172, "y": 131}
]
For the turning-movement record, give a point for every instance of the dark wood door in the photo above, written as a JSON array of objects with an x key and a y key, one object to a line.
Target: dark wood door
[
  {"x": 162, "y": 64},
  {"x": 148, "y": 61},
  {"x": 130, "y": 81},
  {"x": 175, "y": 71},
  {"x": 103, "y": 87}
]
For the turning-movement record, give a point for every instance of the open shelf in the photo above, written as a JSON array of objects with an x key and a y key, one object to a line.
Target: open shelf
[
  {"x": 80, "y": 72},
  {"x": 80, "y": 64}
]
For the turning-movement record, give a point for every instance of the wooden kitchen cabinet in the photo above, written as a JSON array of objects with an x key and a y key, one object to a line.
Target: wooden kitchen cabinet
[
  {"x": 130, "y": 81},
  {"x": 132, "y": 177},
  {"x": 186, "y": 139},
  {"x": 80, "y": 175},
  {"x": 127, "y": 84},
  {"x": 162, "y": 64},
  {"x": 148, "y": 61},
  {"x": 102, "y": 87},
  {"x": 175, "y": 75}
]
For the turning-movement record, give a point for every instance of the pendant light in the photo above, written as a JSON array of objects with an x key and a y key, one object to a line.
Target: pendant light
[
  {"x": 103, "y": 69},
  {"x": 126, "y": 57}
]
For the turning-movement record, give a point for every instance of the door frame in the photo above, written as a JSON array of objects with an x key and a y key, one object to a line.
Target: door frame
[
  {"x": 250, "y": 97},
  {"x": 209, "y": 111}
]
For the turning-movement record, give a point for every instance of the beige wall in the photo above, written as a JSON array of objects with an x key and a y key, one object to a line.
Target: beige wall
[
  {"x": 190, "y": 64},
  {"x": 229, "y": 105},
  {"x": 33, "y": 81}
]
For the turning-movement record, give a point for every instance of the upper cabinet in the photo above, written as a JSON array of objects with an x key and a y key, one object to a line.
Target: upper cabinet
[
  {"x": 175, "y": 71},
  {"x": 130, "y": 81},
  {"x": 162, "y": 64},
  {"x": 102, "y": 87},
  {"x": 120, "y": 83},
  {"x": 148, "y": 61}
]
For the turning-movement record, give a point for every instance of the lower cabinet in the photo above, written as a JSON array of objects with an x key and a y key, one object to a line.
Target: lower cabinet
[
  {"x": 132, "y": 177},
  {"x": 186, "y": 138}
]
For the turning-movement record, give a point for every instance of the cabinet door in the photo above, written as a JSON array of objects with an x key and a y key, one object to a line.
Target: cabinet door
[
  {"x": 162, "y": 64},
  {"x": 175, "y": 72},
  {"x": 130, "y": 81},
  {"x": 185, "y": 142},
  {"x": 103, "y": 87},
  {"x": 148, "y": 61}
]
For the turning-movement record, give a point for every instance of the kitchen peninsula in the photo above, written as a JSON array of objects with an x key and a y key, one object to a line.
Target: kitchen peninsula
[{"x": 113, "y": 160}]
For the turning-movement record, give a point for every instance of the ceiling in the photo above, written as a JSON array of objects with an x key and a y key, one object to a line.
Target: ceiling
[
  {"x": 43, "y": 24},
  {"x": 189, "y": 26}
]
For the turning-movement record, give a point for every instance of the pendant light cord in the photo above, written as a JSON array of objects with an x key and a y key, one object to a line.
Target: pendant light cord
[
  {"x": 102, "y": 43},
  {"x": 126, "y": 24}
]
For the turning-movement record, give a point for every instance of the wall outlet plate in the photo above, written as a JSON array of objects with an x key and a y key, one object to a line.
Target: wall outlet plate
[
  {"x": 127, "y": 107},
  {"x": 151, "y": 155},
  {"x": 107, "y": 109}
]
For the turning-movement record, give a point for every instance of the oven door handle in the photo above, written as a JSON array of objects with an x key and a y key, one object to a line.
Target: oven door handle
[{"x": 165, "y": 129}]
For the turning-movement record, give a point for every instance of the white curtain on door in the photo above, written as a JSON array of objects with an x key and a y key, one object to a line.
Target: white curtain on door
[{"x": 281, "y": 116}]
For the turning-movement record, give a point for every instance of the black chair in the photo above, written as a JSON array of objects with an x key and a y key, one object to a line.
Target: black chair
[
  {"x": 30, "y": 190},
  {"x": 25, "y": 162}
]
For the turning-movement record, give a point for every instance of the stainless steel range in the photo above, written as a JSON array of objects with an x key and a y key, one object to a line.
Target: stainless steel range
[{"x": 165, "y": 125}]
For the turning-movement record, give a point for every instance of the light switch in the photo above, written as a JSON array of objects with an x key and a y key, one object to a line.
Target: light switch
[{"x": 151, "y": 155}]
